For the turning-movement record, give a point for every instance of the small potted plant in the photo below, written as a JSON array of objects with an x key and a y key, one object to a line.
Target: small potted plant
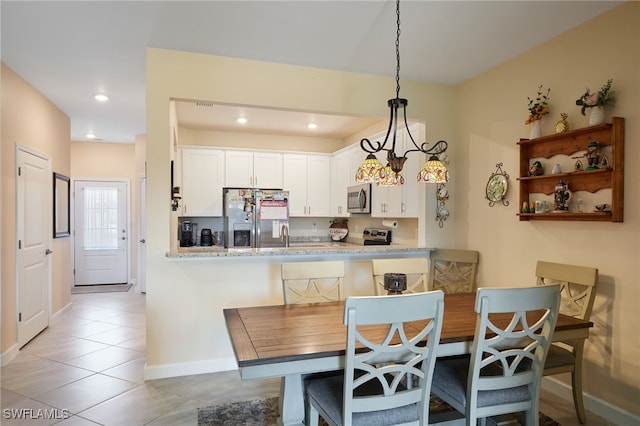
[
  {"x": 538, "y": 108},
  {"x": 596, "y": 101}
]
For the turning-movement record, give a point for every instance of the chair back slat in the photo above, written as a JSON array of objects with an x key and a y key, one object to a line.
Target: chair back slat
[
  {"x": 513, "y": 334},
  {"x": 383, "y": 363},
  {"x": 312, "y": 282},
  {"x": 453, "y": 271},
  {"x": 578, "y": 286},
  {"x": 416, "y": 269}
]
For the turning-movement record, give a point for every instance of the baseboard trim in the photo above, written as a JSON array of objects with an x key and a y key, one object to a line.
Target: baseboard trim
[
  {"x": 189, "y": 368},
  {"x": 58, "y": 315},
  {"x": 9, "y": 355},
  {"x": 615, "y": 415}
]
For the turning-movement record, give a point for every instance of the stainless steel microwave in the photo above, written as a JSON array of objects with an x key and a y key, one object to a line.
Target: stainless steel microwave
[{"x": 359, "y": 198}]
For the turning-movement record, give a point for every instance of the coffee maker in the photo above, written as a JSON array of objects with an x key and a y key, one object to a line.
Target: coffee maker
[{"x": 187, "y": 233}]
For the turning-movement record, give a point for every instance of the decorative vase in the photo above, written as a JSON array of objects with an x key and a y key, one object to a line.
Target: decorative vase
[
  {"x": 597, "y": 116},
  {"x": 536, "y": 129}
]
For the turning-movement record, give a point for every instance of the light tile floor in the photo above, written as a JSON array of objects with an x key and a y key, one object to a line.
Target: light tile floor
[{"x": 89, "y": 366}]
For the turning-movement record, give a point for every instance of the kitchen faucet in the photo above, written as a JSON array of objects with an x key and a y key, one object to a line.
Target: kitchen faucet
[{"x": 284, "y": 235}]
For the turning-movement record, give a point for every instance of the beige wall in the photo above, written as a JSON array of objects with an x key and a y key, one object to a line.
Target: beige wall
[
  {"x": 257, "y": 141},
  {"x": 103, "y": 160},
  {"x": 31, "y": 120},
  {"x": 491, "y": 110}
]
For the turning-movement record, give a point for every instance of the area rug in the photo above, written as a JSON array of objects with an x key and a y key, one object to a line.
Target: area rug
[
  {"x": 264, "y": 412},
  {"x": 106, "y": 288}
]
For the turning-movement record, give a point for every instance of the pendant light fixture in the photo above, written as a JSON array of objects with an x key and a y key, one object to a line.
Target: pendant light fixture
[{"x": 372, "y": 170}]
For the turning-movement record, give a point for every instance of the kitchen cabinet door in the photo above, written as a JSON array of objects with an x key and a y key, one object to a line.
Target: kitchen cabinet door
[
  {"x": 340, "y": 181},
  {"x": 267, "y": 170},
  {"x": 247, "y": 169},
  {"x": 400, "y": 201},
  {"x": 411, "y": 193},
  {"x": 202, "y": 181},
  {"x": 318, "y": 185},
  {"x": 306, "y": 177},
  {"x": 239, "y": 169},
  {"x": 295, "y": 181}
]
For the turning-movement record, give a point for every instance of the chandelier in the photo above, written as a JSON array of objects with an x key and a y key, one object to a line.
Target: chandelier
[{"x": 372, "y": 170}]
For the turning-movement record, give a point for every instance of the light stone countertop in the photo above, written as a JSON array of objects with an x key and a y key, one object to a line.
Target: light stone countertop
[{"x": 305, "y": 248}]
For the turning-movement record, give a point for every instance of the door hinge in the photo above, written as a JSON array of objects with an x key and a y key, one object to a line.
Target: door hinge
[
  {"x": 19, "y": 244},
  {"x": 19, "y": 171},
  {"x": 19, "y": 316}
]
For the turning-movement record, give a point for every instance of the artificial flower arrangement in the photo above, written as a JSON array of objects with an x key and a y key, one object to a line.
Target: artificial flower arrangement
[
  {"x": 538, "y": 106},
  {"x": 597, "y": 99}
]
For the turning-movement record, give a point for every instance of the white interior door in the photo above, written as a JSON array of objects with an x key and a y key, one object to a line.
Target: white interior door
[
  {"x": 34, "y": 186},
  {"x": 142, "y": 234},
  {"x": 101, "y": 232}
]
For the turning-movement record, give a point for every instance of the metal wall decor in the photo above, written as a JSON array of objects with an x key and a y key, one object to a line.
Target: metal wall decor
[
  {"x": 442, "y": 195},
  {"x": 497, "y": 186}
]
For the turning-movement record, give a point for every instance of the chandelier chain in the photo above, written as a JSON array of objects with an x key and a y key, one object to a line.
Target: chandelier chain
[{"x": 398, "y": 49}]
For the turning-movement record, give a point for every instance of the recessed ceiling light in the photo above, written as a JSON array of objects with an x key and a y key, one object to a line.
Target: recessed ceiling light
[
  {"x": 100, "y": 97},
  {"x": 241, "y": 120},
  {"x": 312, "y": 126},
  {"x": 91, "y": 136}
]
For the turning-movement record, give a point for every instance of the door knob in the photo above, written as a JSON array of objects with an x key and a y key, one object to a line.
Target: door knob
[
  {"x": 143, "y": 241},
  {"x": 47, "y": 251}
]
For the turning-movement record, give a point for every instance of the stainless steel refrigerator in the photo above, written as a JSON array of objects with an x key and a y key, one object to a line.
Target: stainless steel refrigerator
[{"x": 255, "y": 218}]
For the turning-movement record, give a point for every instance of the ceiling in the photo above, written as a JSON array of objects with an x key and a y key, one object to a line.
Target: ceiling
[{"x": 71, "y": 50}]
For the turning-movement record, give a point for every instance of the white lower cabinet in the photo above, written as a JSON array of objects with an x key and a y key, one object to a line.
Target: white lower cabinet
[
  {"x": 202, "y": 181},
  {"x": 307, "y": 178}
]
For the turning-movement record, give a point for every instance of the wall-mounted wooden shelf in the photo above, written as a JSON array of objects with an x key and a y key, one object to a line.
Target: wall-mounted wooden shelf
[{"x": 568, "y": 144}]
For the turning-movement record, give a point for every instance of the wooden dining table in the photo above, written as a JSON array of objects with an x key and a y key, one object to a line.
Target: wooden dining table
[{"x": 291, "y": 340}]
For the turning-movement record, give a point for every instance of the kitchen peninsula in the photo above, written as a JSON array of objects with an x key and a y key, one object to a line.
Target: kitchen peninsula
[
  {"x": 303, "y": 249},
  {"x": 207, "y": 280}
]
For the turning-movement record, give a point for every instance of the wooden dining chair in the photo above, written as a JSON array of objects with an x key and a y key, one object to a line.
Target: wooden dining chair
[
  {"x": 416, "y": 270},
  {"x": 508, "y": 354},
  {"x": 311, "y": 282},
  {"x": 453, "y": 271},
  {"x": 378, "y": 360},
  {"x": 578, "y": 290}
]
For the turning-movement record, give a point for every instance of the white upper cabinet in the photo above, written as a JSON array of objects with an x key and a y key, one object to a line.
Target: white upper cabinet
[
  {"x": 307, "y": 178},
  {"x": 400, "y": 201},
  {"x": 341, "y": 179},
  {"x": 202, "y": 181},
  {"x": 247, "y": 169}
]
